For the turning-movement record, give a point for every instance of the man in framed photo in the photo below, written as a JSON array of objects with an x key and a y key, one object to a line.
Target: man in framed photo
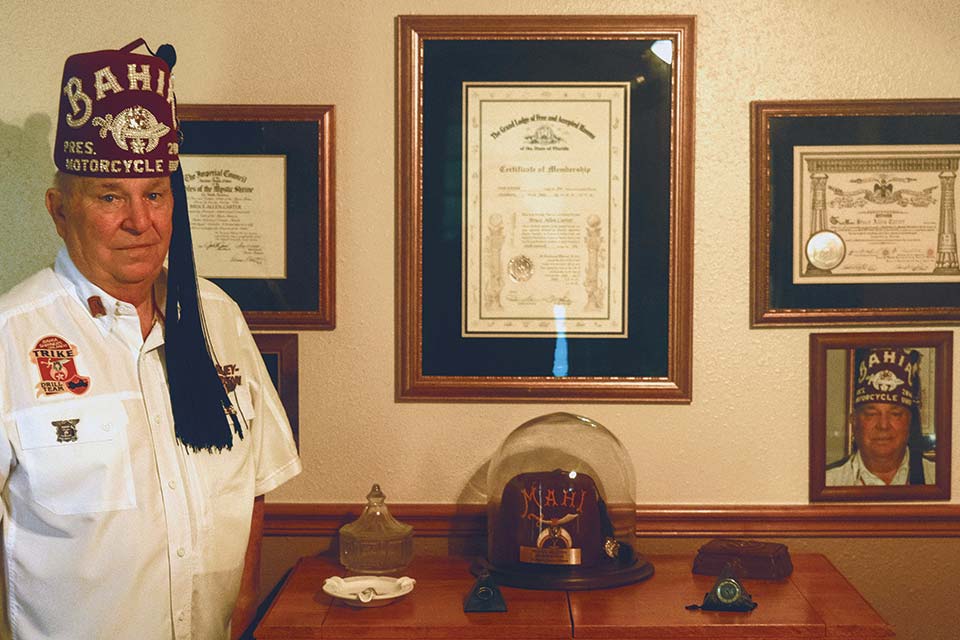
[{"x": 885, "y": 422}]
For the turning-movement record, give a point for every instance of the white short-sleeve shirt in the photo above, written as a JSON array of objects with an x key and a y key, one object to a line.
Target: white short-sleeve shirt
[
  {"x": 854, "y": 473},
  {"x": 111, "y": 527}
]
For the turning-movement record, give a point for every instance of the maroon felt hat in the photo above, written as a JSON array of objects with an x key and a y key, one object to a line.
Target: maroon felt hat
[
  {"x": 888, "y": 375},
  {"x": 117, "y": 115}
]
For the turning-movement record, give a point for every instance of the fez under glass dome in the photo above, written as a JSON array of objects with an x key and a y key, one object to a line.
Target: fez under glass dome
[{"x": 573, "y": 444}]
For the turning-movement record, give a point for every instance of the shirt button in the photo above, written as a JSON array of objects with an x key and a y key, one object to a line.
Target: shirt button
[
  {"x": 107, "y": 427},
  {"x": 180, "y": 617},
  {"x": 181, "y": 552},
  {"x": 172, "y": 484}
]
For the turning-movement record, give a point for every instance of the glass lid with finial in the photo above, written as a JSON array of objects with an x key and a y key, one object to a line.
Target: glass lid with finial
[{"x": 376, "y": 542}]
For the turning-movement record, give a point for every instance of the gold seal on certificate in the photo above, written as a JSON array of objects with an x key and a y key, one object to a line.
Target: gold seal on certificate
[
  {"x": 825, "y": 250},
  {"x": 520, "y": 268}
]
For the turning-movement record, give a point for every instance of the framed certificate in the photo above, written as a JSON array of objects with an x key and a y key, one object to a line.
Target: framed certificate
[
  {"x": 854, "y": 216},
  {"x": 259, "y": 181},
  {"x": 880, "y": 415},
  {"x": 545, "y": 208}
]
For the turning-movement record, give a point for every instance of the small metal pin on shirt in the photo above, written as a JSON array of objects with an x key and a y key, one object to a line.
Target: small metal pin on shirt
[{"x": 66, "y": 429}]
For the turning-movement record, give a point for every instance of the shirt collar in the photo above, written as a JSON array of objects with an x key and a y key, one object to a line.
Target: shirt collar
[
  {"x": 104, "y": 309},
  {"x": 864, "y": 476}
]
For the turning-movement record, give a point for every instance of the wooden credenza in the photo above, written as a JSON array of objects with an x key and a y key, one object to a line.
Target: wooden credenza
[{"x": 816, "y": 601}]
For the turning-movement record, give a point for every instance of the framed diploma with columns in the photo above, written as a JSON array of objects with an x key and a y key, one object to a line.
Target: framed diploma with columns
[
  {"x": 854, "y": 214},
  {"x": 545, "y": 208}
]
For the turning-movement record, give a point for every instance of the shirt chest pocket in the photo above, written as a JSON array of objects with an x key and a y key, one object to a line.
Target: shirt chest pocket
[{"x": 74, "y": 457}]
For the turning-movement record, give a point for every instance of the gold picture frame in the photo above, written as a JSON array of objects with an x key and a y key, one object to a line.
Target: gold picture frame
[
  {"x": 437, "y": 57},
  {"x": 875, "y": 129}
]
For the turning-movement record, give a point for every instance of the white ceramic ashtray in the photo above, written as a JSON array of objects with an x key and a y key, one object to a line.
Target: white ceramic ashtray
[{"x": 368, "y": 591}]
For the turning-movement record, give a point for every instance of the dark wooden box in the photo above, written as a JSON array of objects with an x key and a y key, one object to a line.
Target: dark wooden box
[{"x": 747, "y": 558}]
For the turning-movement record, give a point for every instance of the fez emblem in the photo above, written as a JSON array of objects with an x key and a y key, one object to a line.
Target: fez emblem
[
  {"x": 884, "y": 380},
  {"x": 553, "y": 534},
  {"x": 136, "y": 125},
  {"x": 54, "y": 358},
  {"x": 66, "y": 429}
]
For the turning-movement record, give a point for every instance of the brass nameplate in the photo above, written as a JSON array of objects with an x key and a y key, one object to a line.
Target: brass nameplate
[{"x": 549, "y": 555}]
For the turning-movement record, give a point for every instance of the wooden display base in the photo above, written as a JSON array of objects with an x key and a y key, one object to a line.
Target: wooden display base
[{"x": 565, "y": 578}]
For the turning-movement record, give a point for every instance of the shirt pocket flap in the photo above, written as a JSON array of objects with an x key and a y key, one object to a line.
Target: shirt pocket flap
[{"x": 66, "y": 423}]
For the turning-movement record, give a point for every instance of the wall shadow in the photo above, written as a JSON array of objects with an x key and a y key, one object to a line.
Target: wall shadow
[{"x": 29, "y": 241}]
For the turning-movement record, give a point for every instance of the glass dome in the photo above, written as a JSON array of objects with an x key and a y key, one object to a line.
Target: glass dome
[{"x": 561, "y": 510}]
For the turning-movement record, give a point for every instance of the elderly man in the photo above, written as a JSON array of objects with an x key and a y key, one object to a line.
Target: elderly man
[
  {"x": 886, "y": 413},
  {"x": 133, "y": 467}
]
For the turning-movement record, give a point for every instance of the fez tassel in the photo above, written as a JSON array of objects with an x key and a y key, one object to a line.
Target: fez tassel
[{"x": 200, "y": 403}]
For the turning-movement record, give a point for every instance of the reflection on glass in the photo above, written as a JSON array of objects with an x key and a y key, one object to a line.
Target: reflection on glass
[
  {"x": 560, "y": 366},
  {"x": 663, "y": 49}
]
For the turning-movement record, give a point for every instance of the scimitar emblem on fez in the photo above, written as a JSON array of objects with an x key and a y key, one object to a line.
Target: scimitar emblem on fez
[{"x": 554, "y": 535}]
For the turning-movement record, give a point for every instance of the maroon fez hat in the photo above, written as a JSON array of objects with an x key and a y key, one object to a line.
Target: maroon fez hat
[
  {"x": 888, "y": 374},
  {"x": 117, "y": 115},
  {"x": 118, "y": 120}
]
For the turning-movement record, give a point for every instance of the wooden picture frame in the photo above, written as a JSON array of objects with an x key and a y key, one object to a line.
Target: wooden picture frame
[
  {"x": 280, "y": 355},
  {"x": 842, "y": 385},
  {"x": 889, "y": 143},
  {"x": 288, "y": 152},
  {"x": 541, "y": 66}
]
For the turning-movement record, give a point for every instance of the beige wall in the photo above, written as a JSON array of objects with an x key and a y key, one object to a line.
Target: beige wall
[{"x": 749, "y": 416}]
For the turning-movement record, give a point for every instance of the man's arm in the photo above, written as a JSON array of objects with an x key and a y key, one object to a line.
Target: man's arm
[{"x": 248, "y": 599}]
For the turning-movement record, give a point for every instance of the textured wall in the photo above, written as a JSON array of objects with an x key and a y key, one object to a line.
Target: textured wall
[{"x": 737, "y": 443}]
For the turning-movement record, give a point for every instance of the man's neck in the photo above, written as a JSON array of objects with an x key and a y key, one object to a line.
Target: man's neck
[
  {"x": 146, "y": 310},
  {"x": 884, "y": 468}
]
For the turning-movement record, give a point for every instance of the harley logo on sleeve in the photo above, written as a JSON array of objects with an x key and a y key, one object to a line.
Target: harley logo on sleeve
[
  {"x": 54, "y": 357},
  {"x": 229, "y": 376}
]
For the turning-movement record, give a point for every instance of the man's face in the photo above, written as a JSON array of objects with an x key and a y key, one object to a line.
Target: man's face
[
  {"x": 881, "y": 430},
  {"x": 117, "y": 230}
]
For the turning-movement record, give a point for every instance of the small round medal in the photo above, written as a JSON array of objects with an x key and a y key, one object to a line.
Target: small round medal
[{"x": 825, "y": 250}]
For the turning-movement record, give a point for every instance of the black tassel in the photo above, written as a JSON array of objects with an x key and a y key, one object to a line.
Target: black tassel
[{"x": 200, "y": 403}]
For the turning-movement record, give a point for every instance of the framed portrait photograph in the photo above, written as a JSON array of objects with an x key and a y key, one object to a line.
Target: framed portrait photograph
[
  {"x": 545, "y": 207},
  {"x": 280, "y": 354},
  {"x": 880, "y": 416},
  {"x": 259, "y": 181},
  {"x": 854, "y": 215}
]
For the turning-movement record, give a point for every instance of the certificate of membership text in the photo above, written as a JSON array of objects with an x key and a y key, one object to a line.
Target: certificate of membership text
[{"x": 545, "y": 228}]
